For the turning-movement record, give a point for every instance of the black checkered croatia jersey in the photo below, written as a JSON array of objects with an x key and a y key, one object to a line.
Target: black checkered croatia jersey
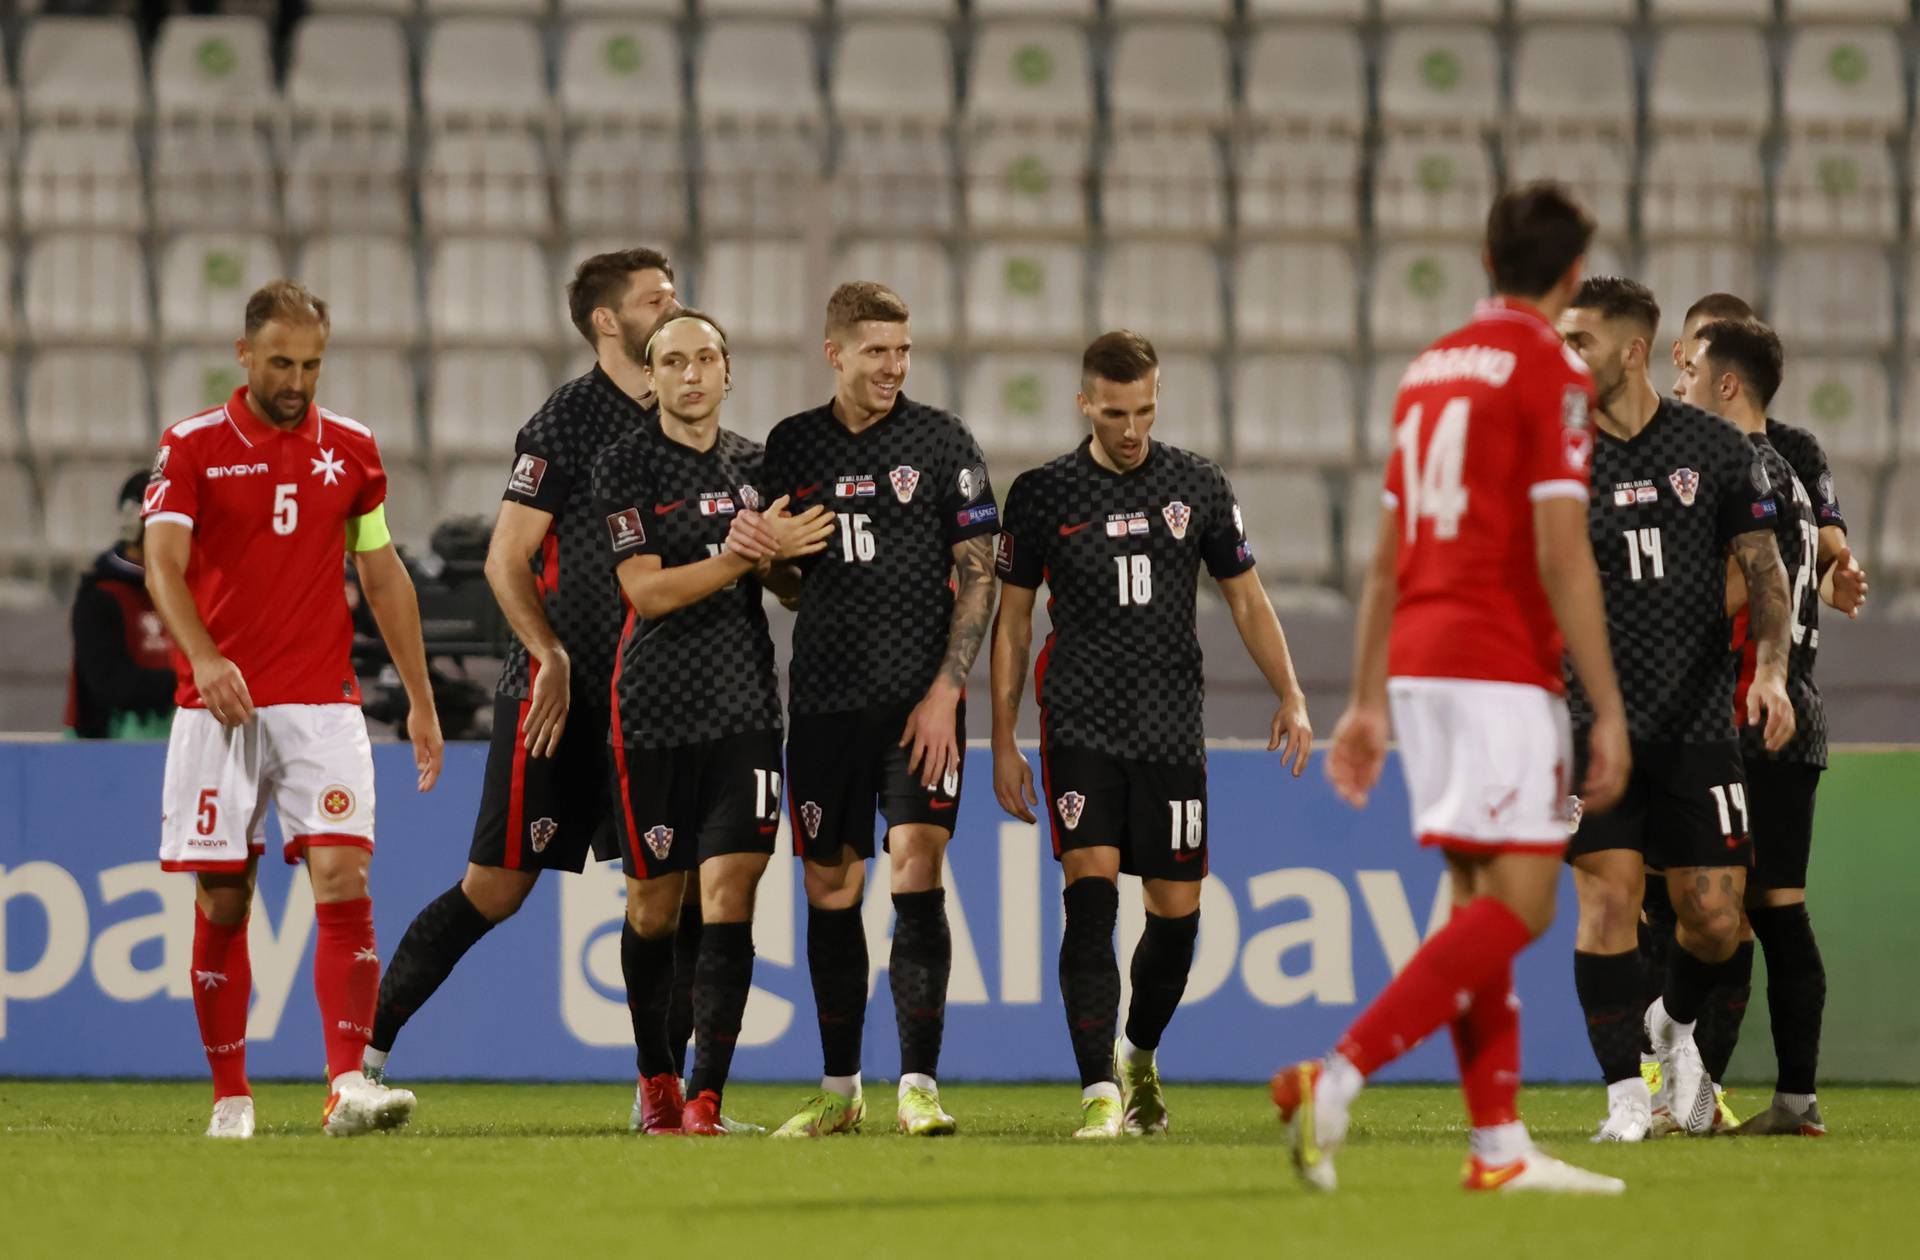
[
  {"x": 875, "y": 607},
  {"x": 1665, "y": 506},
  {"x": 704, "y": 672},
  {"x": 1120, "y": 554},
  {"x": 553, "y": 471},
  {"x": 1803, "y": 451},
  {"x": 1798, "y": 534}
]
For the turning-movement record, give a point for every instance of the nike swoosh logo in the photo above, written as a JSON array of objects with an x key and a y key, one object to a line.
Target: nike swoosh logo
[
  {"x": 1186, "y": 855},
  {"x": 661, "y": 509},
  {"x": 940, "y": 804},
  {"x": 1069, "y": 530},
  {"x": 806, "y": 491},
  {"x": 767, "y": 831}
]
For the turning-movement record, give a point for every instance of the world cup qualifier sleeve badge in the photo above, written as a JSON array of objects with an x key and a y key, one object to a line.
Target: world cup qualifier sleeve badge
[
  {"x": 905, "y": 481},
  {"x": 1178, "y": 515}
]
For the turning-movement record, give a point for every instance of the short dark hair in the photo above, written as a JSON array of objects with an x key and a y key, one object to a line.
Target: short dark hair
[
  {"x": 602, "y": 281},
  {"x": 863, "y": 301},
  {"x": 1617, "y": 297},
  {"x": 1534, "y": 233},
  {"x": 1751, "y": 351},
  {"x": 680, "y": 313},
  {"x": 1121, "y": 356},
  {"x": 288, "y": 301},
  {"x": 1719, "y": 306}
]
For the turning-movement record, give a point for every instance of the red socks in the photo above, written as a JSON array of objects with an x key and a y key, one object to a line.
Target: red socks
[
  {"x": 222, "y": 985},
  {"x": 1486, "y": 1040},
  {"x": 346, "y": 981},
  {"x": 1439, "y": 984}
]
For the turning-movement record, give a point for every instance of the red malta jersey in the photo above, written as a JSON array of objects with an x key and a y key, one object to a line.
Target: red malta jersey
[
  {"x": 269, "y": 512},
  {"x": 1488, "y": 421}
]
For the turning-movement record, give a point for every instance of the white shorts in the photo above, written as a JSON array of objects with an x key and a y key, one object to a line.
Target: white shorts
[
  {"x": 312, "y": 761},
  {"x": 1487, "y": 763}
]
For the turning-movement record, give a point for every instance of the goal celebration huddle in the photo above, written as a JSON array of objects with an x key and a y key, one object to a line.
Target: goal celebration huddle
[{"x": 1589, "y": 623}]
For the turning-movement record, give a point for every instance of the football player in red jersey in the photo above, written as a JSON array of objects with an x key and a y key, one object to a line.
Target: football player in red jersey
[
  {"x": 249, "y": 510},
  {"x": 1483, "y": 575}
]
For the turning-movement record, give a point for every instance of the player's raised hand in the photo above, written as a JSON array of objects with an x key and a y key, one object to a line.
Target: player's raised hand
[
  {"x": 223, "y": 691},
  {"x": 1849, "y": 583},
  {"x": 1013, "y": 782},
  {"x": 429, "y": 749},
  {"x": 931, "y": 734},
  {"x": 547, "y": 703},
  {"x": 751, "y": 538},
  {"x": 1767, "y": 701},
  {"x": 804, "y": 535},
  {"x": 1609, "y": 762},
  {"x": 1292, "y": 734},
  {"x": 1358, "y": 754}
]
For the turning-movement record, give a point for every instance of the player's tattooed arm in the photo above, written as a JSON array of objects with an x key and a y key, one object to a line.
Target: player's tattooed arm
[
  {"x": 1769, "y": 618},
  {"x": 972, "y": 608}
]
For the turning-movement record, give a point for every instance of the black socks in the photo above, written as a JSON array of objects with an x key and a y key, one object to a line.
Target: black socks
[
  {"x": 1090, "y": 976},
  {"x": 1611, "y": 996},
  {"x": 444, "y": 930},
  {"x": 918, "y": 969}
]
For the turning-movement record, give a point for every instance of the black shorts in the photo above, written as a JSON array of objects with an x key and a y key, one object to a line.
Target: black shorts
[
  {"x": 843, "y": 767},
  {"x": 1685, "y": 805},
  {"x": 544, "y": 813},
  {"x": 1780, "y": 794},
  {"x": 680, "y": 806},
  {"x": 1155, "y": 813}
]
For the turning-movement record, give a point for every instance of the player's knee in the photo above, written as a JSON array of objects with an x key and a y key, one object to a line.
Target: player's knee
[
  {"x": 495, "y": 892},
  {"x": 834, "y": 887},
  {"x": 338, "y": 874},
  {"x": 1607, "y": 910},
  {"x": 225, "y": 903}
]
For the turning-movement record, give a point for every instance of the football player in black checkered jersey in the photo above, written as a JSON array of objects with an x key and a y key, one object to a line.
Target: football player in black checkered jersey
[
  {"x": 1674, "y": 490},
  {"x": 891, "y": 616},
  {"x": 1733, "y": 367},
  {"x": 544, "y": 799},
  {"x": 1118, "y": 529},
  {"x": 696, "y": 722}
]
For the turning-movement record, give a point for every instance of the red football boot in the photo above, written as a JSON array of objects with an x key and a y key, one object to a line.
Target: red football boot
[
  {"x": 702, "y": 1116},
  {"x": 656, "y": 1105}
]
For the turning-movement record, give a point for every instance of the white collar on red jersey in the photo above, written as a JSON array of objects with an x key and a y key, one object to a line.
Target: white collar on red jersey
[{"x": 252, "y": 429}]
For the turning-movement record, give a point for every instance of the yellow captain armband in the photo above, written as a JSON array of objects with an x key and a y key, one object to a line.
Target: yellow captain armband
[{"x": 369, "y": 532}]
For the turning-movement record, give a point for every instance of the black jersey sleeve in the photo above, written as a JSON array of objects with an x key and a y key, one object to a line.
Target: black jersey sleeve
[
  {"x": 1022, "y": 557},
  {"x": 621, "y": 497},
  {"x": 967, "y": 497},
  {"x": 1223, "y": 533},
  {"x": 1803, "y": 450},
  {"x": 1744, "y": 489},
  {"x": 776, "y": 465},
  {"x": 543, "y": 467}
]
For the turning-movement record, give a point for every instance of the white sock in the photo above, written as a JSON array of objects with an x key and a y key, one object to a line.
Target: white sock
[
  {"x": 1340, "y": 1081},
  {"x": 349, "y": 1080},
  {"x": 845, "y": 1086},
  {"x": 1100, "y": 1089},
  {"x": 1634, "y": 1087},
  {"x": 1501, "y": 1143},
  {"x": 918, "y": 1080},
  {"x": 1134, "y": 1054},
  {"x": 375, "y": 1059},
  {"x": 1663, "y": 1029},
  {"x": 1796, "y": 1103}
]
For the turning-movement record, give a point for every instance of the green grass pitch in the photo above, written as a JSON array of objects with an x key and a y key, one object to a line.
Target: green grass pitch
[{"x": 119, "y": 1169}]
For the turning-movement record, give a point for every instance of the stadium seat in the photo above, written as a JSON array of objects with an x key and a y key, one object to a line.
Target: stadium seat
[
  {"x": 759, "y": 290},
  {"x": 1159, "y": 182},
  {"x": 1030, "y": 72},
  {"x": 81, "y": 68},
  {"x": 1360, "y": 521},
  {"x": 213, "y": 69},
  {"x": 82, "y": 504},
  {"x": 762, "y": 127},
  {"x": 490, "y": 290},
  {"x": 1300, "y": 185},
  {"x": 759, "y": 182},
  {"x": 205, "y": 280},
  {"x": 920, "y": 272},
  {"x": 1890, "y": 11},
  {"x": 621, "y": 71},
  {"x": 1899, "y": 550},
  {"x": 199, "y": 378},
  {"x": 81, "y": 176},
  {"x": 1019, "y": 182},
  {"x": 1621, "y": 11},
  {"x": 1420, "y": 291},
  {"x": 1836, "y": 296},
  {"x": 894, "y": 73},
  {"x": 1293, "y": 408},
  {"x": 1440, "y": 75},
  {"x": 370, "y": 284},
  {"x": 1289, "y": 522},
  {"x": 1827, "y": 188},
  {"x": 623, "y": 8},
  {"x": 20, "y": 518},
  {"x": 1295, "y": 296},
  {"x": 1170, "y": 293},
  {"x": 1574, "y": 76},
  {"x": 1081, "y": 10},
  {"x": 472, "y": 487},
  {"x": 1020, "y": 294},
  {"x": 1711, "y": 76},
  {"x": 1432, "y": 186},
  {"x": 1190, "y": 415},
  {"x": 1383, "y": 390},
  {"x": 214, "y": 178},
  {"x": 1753, "y": 11},
  {"x": 360, "y": 8},
  {"x": 1219, "y": 10},
  {"x": 1021, "y": 407},
  {"x": 85, "y": 288},
  {"x": 354, "y": 181},
  {"x": 480, "y": 398},
  {"x": 1169, "y": 74},
  {"x": 758, "y": 72},
  {"x": 410, "y": 512},
  {"x": 770, "y": 385},
  {"x": 800, "y": 9},
  {"x": 1844, "y": 399},
  {"x": 484, "y": 70},
  {"x": 1598, "y": 169},
  {"x": 509, "y": 8},
  {"x": 1679, "y": 273},
  {"x": 1701, "y": 187},
  {"x": 89, "y": 403},
  {"x": 1349, "y": 10},
  {"x": 900, "y": 8},
  {"x": 1440, "y": 10},
  {"x": 1307, "y": 73},
  {"x": 376, "y": 388},
  {"x": 349, "y": 66},
  {"x": 621, "y": 177},
  {"x": 894, "y": 181},
  {"x": 1839, "y": 76},
  {"x": 476, "y": 181}
]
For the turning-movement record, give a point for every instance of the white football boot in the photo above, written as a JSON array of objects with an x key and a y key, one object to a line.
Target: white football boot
[
  {"x": 1682, "y": 1073},
  {"x": 1538, "y": 1170},
  {"x": 232, "y": 1117},
  {"x": 1629, "y": 1113},
  {"x": 357, "y": 1106}
]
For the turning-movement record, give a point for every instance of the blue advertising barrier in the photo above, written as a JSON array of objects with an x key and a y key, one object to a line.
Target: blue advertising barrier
[{"x": 1308, "y": 909}]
